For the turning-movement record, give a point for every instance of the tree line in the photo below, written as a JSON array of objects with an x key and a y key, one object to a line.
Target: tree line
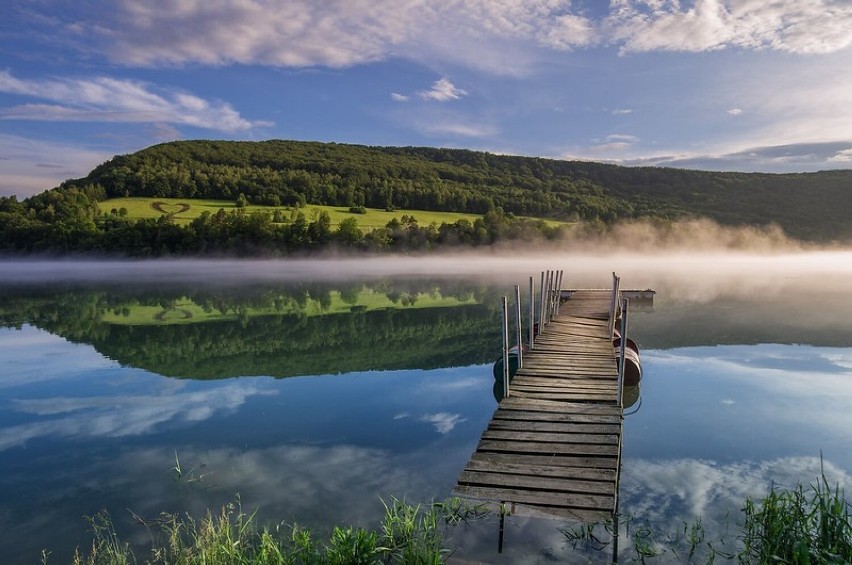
[
  {"x": 503, "y": 189},
  {"x": 67, "y": 220},
  {"x": 279, "y": 345}
]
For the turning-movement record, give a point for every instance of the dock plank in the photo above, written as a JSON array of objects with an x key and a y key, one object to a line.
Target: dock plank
[{"x": 553, "y": 446}]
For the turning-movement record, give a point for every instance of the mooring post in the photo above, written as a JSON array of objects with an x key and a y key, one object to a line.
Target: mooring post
[
  {"x": 541, "y": 306},
  {"x": 621, "y": 353},
  {"x": 559, "y": 291},
  {"x": 613, "y": 306},
  {"x": 519, "y": 332},
  {"x": 505, "y": 347},
  {"x": 532, "y": 315},
  {"x": 552, "y": 295}
]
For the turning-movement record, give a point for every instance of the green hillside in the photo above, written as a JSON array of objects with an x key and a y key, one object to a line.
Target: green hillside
[
  {"x": 380, "y": 196},
  {"x": 809, "y": 206}
]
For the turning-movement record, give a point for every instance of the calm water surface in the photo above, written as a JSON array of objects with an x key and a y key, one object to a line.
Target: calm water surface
[{"x": 313, "y": 402}]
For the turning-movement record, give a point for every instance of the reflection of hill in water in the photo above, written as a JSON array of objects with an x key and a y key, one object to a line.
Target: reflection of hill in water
[
  {"x": 284, "y": 346},
  {"x": 233, "y": 343},
  {"x": 819, "y": 319}
]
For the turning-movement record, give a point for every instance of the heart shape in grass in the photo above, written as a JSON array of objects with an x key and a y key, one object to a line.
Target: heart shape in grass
[{"x": 166, "y": 208}]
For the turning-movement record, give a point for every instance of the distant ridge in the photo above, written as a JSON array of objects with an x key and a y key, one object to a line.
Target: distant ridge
[{"x": 808, "y": 206}]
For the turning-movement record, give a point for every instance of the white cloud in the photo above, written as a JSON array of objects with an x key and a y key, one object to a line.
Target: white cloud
[
  {"x": 735, "y": 111},
  {"x": 620, "y": 137},
  {"x": 844, "y": 156},
  {"x": 120, "y": 416},
  {"x": 670, "y": 492},
  {"x": 442, "y": 91},
  {"x": 459, "y": 129},
  {"x": 796, "y": 26},
  {"x": 397, "y": 97},
  {"x": 621, "y": 111},
  {"x": 333, "y": 33},
  {"x": 104, "y": 99},
  {"x": 444, "y": 422},
  {"x": 28, "y": 166},
  {"x": 497, "y": 35}
]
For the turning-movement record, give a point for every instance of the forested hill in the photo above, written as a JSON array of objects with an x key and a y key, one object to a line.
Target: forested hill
[
  {"x": 812, "y": 206},
  {"x": 257, "y": 192}
]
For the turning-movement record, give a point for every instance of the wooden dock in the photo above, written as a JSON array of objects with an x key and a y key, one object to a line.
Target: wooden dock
[{"x": 553, "y": 446}]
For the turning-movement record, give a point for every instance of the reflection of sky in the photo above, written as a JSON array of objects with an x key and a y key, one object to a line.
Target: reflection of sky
[
  {"x": 79, "y": 433},
  {"x": 727, "y": 403},
  {"x": 720, "y": 424}
]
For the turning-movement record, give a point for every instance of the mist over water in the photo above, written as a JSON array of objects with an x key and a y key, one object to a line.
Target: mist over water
[
  {"x": 691, "y": 275},
  {"x": 746, "y": 352}
]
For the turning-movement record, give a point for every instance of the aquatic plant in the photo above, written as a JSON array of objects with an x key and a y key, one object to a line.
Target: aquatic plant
[
  {"x": 798, "y": 526},
  {"x": 407, "y": 534}
]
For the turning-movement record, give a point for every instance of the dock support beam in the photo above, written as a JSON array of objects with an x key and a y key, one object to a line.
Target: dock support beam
[
  {"x": 505, "y": 347},
  {"x": 532, "y": 315},
  {"x": 520, "y": 340}
]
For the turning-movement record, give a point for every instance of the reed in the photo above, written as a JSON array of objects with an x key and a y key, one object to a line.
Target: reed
[
  {"x": 798, "y": 526},
  {"x": 407, "y": 534}
]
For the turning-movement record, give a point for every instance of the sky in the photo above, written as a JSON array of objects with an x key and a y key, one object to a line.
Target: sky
[{"x": 741, "y": 85}]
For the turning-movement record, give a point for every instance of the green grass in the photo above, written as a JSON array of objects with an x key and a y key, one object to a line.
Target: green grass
[
  {"x": 803, "y": 526},
  {"x": 797, "y": 526},
  {"x": 185, "y": 311},
  {"x": 407, "y": 534},
  {"x": 139, "y": 208}
]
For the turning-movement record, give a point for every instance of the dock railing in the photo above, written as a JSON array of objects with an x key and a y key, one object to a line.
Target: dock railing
[{"x": 549, "y": 300}]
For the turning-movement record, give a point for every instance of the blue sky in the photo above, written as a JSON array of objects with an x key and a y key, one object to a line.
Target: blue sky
[{"x": 750, "y": 85}]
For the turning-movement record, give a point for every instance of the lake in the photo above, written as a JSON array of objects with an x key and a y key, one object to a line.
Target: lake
[{"x": 312, "y": 390}]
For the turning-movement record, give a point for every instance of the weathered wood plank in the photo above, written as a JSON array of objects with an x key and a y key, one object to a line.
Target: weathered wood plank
[
  {"x": 575, "y": 461},
  {"x": 554, "y": 427},
  {"x": 539, "y": 416},
  {"x": 513, "y": 464},
  {"x": 542, "y": 498},
  {"x": 554, "y": 406},
  {"x": 535, "y": 482},
  {"x": 543, "y": 448},
  {"x": 551, "y": 437}
]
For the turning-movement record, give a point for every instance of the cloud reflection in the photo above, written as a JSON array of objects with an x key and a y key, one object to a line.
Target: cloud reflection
[
  {"x": 669, "y": 492},
  {"x": 444, "y": 422},
  {"x": 122, "y": 415}
]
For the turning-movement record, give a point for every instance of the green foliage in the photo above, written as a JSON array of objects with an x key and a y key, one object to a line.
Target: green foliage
[
  {"x": 798, "y": 526},
  {"x": 500, "y": 188},
  {"x": 408, "y": 534},
  {"x": 218, "y": 333}
]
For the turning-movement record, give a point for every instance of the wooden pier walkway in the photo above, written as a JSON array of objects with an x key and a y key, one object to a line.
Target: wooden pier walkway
[{"x": 553, "y": 445}]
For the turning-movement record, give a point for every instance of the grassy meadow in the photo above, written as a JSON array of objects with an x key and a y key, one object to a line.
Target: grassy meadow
[
  {"x": 185, "y": 210},
  {"x": 185, "y": 311}
]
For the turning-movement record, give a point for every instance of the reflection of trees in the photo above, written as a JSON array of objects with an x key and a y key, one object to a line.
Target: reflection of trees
[{"x": 285, "y": 341}]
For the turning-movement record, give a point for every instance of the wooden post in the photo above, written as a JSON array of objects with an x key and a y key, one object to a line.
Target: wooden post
[
  {"x": 621, "y": 353},
  {"x": 559, "y": 292},
  {"x": 505, "y": 348},
  {"x": 551, "y": 311},
  {"x": 541, "y": 306},
  {"x": 616, "y": 283},
  {"x": 519, "y": 332},
  {"x": 532, "y": 314}
]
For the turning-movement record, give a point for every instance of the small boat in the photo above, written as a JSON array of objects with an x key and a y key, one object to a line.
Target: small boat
[
  {"x": 513, "y": 364},
  {"x": 632, "y": 363}
]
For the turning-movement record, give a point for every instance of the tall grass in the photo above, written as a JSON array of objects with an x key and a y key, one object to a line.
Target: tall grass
[
  {"x": 798, "y": 526},
  {"x": 407, "y": 534},
  {"x": 803, "y": 525}
]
